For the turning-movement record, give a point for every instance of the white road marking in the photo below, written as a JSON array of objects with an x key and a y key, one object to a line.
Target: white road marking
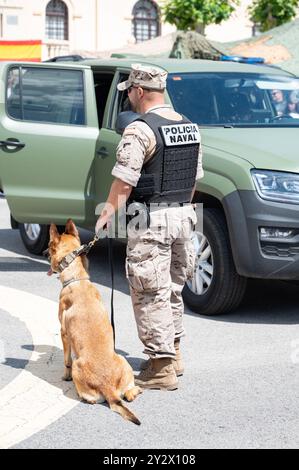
[
  {"x": 2, "y": 352},
  {"x": 37, "y": 396}
]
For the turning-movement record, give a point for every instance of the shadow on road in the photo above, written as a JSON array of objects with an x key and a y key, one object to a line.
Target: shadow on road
[
  {"x": 50, "y": 366},
  {"x": 266, "y": 301}
]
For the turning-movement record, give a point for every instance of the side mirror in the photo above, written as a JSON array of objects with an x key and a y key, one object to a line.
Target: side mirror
[{"x": 124, "y": 119}]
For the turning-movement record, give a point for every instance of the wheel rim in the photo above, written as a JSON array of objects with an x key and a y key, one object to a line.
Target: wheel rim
[
  {"x": 204, "y": 265},
  {"x": 32, "y": 231}
]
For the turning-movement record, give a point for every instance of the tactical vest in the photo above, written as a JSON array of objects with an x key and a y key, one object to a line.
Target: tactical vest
[{"x": 170, "y": 174}]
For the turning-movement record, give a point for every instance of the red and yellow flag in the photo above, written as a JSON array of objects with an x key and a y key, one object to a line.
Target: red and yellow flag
[{"x": 28, "y": 51}]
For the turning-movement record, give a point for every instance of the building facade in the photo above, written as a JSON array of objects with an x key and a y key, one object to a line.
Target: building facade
[
  {"x": 98, "y": 25},
  {"x": 238, "y": 26}
]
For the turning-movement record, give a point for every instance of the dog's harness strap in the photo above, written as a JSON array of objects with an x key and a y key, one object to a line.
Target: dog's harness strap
[{"x": 69, "y": 258}]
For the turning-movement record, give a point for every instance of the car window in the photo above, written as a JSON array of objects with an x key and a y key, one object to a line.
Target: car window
[
  {"x": 121, "y": 101},
  {"x": 102, "y": 84},
  {"x": 46, "y": 95},
  {"x": 236, "y": 98}
]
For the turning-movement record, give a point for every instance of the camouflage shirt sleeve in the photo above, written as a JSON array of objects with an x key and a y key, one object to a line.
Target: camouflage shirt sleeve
[{"x": 131, "y": 153}]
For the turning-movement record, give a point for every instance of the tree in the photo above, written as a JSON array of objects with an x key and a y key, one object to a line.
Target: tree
[
  {"x": 189, "y": 15},
  {"x": 271, "y": 13}
]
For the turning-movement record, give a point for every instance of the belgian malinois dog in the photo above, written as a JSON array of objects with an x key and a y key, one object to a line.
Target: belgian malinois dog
[{"x": 99, "y": 374}]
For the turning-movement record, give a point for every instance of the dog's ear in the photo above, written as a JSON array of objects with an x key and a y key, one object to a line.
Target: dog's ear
[
  {"x": 71, "y": 229},
  {"x": 54, "y": 235}
]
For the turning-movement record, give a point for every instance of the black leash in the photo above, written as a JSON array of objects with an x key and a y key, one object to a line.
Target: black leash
[
  {"x": 110, "y": 256},
  {"x": 86, "y": 249}
]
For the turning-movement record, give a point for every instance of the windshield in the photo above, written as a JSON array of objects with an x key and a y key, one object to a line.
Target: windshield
[{"x": 236, "y": 99}]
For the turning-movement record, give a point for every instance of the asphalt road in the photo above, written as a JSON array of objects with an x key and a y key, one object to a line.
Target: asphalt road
[{"x": 240, "y": 388}]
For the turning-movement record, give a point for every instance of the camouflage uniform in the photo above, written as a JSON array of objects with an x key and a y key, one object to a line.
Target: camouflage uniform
[{"x": 160, "y": 259}]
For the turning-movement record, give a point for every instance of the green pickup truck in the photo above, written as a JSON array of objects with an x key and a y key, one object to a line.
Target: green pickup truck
[{"x": 58, "y": 142}]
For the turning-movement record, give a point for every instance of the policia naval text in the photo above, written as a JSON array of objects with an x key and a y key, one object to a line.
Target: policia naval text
[{"x": 181, "y": 134}]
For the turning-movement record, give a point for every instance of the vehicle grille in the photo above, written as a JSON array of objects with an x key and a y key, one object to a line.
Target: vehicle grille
[{"x": 279, "y": 250}]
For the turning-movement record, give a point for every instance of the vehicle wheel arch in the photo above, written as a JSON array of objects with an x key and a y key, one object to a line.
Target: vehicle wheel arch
[
  {"x": 207, "y": 200},
  {"x": 211, "y": 202},
  {"x": 35, "y": 237},
  {"x": 214, "y": 236}
]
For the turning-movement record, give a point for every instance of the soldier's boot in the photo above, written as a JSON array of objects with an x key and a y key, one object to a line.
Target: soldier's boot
[
  {"x": 177, "y": 362},
  {"x": 160, "y": 374}
]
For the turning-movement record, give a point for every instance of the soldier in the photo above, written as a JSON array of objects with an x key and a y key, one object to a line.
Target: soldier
[{"x": 159, "y": 160}]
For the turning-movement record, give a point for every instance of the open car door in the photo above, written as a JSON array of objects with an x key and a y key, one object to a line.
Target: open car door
[{"x": 48, "y": 132}]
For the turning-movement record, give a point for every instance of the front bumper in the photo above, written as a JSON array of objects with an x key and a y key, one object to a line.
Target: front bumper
[{"x": 272, "y": 258}]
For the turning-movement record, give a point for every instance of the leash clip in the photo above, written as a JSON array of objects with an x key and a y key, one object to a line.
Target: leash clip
[{"x": 91, "y": 244}]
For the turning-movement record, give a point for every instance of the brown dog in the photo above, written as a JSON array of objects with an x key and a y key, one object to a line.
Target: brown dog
[{"x": 98, "y": 372}]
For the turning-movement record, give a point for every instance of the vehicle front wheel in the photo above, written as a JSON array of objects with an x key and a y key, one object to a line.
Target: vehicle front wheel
[
  {"x": 35, "y": 237},
  {"x": 216, "y": 286}
]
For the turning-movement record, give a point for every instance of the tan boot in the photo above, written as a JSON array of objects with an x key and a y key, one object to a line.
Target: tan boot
[
  {"x": 177, "y": 362},
  {"x": 160, "y": 374}
]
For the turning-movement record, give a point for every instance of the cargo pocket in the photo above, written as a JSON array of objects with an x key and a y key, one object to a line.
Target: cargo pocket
[{"x": 147, "y": 272}]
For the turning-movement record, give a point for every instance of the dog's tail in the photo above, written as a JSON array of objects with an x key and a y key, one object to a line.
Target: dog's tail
[{"x": 117, "y": 405}]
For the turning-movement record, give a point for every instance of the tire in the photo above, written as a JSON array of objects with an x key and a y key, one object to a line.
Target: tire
[
  {"x": 216, "y": 287},
  {"x": 35, "y": 237}
]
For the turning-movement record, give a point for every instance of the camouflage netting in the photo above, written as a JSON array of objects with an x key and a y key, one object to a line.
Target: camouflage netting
[
  {"x": 157, "y": 47},
  {"x": 181, "y": 45},
  {"x": 278, "y": 46},
  {"x": 192, "y": 45}
]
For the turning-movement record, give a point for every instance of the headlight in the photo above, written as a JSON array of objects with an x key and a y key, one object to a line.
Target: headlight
[{"x": 277, "y": 186}]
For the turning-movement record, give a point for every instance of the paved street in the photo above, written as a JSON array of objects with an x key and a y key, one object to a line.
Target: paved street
[{"x": 240, "y": 388}]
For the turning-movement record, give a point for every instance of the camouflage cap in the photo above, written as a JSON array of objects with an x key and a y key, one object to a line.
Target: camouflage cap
[{"x": 146, "y": 77}]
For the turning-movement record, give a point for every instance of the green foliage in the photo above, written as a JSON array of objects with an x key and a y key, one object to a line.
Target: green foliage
[
  {"x": 189, "y": 14},
  {"x": 271, "y": 13}
]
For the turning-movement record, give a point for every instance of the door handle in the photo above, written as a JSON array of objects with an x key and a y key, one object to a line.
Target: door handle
[
  {"x": 103, "y": 152},
  {"x": 11, "y": 143}
]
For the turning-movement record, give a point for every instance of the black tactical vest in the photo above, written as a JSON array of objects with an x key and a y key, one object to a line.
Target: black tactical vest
[{"x": 169, "y": 175}]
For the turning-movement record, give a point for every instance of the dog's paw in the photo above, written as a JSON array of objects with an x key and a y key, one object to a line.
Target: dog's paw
[
  {"x": 131, "y": 394},
  {"x": 67, "y": 375},
  {"x": 67, "y": 378}
]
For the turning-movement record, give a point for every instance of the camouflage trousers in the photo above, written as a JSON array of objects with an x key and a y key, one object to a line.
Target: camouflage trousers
[{"x": 159, "y": 260}]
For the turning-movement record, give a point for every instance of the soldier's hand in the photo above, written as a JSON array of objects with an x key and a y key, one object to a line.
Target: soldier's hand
[{"x": 101, "y": 224}]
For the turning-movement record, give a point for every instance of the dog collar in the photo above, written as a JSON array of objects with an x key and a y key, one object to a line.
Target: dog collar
[
  {"x": 70, "y": 257},
  {"x": 66, "y": 283}
]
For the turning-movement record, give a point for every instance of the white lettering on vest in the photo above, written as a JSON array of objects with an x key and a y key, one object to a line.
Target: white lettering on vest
[{"x": 181, "y": 134}]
